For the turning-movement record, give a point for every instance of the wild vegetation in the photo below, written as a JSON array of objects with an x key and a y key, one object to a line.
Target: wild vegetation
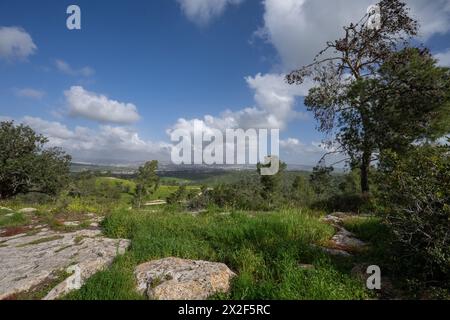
[{"x": 387, "y": 105}]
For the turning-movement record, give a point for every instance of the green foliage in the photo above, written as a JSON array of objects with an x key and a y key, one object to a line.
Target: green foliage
[
  {"x": 339, "y": 192},
  {"x": 271, "y": 184},
  {"x": 321, "y": 179},
  {"x": 302, "y": 191},
  {"x": 409, "y": 100},
  {"x": 245, "y": 195},
  {"x": 250, "y": 192},
  {"x": 415, "y": 190},
  {"x": 322, "y": 190},
  {"x": 26, "y": 166},
  {"x": 179, "y": 195},
  {"x": 147, "y": 181},
  {"x": 90, "y": 193},
  {"x": 12, "y": 219}
]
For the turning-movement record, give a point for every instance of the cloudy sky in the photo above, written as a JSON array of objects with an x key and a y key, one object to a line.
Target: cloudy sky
[{"x": 137, "y": 69}]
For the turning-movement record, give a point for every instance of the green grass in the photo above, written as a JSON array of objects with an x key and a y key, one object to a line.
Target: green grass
[
  {"x": 373, "y": 231},
  {"x": 265, "y": 250},
  {"x": 115, "y": 182},
  {"x": 15, "y": 220}
]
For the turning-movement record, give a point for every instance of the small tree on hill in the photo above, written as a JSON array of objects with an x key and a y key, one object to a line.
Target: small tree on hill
[
  {"x": 271, "y": 184},
  {"x": 147, "y": 181}
]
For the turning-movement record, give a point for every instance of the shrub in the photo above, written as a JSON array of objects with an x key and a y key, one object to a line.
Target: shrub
[
  {"x": 178, "y": 195},
  {"x": 415, "y": 192},
  {"x": 346, "y": 202}
]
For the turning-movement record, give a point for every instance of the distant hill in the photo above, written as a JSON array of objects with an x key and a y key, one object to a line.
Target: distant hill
[{"x": 167, "y": 167}]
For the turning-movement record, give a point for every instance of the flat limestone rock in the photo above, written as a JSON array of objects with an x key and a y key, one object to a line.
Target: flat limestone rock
[
  {"x": 26, "y": 261},
  {"x": 331, "y": 219},
  {"x": 180, "y": 279},
  {"x": 343, "y": 240},
  {"x": 346, "y": 239},
  {"x": 28, "y": 210}
]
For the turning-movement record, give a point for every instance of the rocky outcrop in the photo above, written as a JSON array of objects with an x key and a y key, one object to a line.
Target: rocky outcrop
[
  {"x": 26, "y": 261},
  {"x": 346, "y": 240},
  {"x": 343, "y": 243},
  {"x": 179, "y": 279}
]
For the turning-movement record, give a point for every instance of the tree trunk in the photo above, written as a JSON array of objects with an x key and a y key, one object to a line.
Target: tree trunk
[{"x": 365, "y": 166}]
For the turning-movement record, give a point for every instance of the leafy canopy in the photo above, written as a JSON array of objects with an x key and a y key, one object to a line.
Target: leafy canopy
[{"x": 26, "y": 165}]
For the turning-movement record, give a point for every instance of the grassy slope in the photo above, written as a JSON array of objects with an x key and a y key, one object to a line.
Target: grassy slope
[
  {"x": 161, "y": 193},
  {"x": 264, "y": 249}
]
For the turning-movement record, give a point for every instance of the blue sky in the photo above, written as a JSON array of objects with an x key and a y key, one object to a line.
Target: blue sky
[{"x": 149, "y": 64}]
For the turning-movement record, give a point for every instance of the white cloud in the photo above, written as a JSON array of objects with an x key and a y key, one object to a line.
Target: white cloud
[
  {"x": 274, "y": 109},
  {"x": 299, "y": 29},
  {"x": 294, "y": 151},
  {"x": 64, "y": 67},
  {"x": 53, "y": 130},
  {"x": 98, "y": 107},
  {"x": 443, "y": 58},
  {"x": 203, "y": 11},
  {"x": 29, "y": 93},
  {"x": 276, "y": 98},
  {"x": 105, "y": 143},
  {"x": 433, "y": 16},
  {"x": 15, "y": 43}
]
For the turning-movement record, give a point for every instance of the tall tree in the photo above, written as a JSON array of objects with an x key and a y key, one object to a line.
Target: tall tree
[
  {"x": 357, "y": 55},
  {"x": 26, "y": 165},
  {"x": 408, "y": 101}
]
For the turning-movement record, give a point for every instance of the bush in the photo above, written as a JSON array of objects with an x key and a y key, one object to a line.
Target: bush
[
  {"x": 245, "y": 195},
  {"x": 347, "y": 202},
  {"x": 415, "y": 192},
  {"x": 27, "y": 164},
  {"x": 178, "y": 196}
]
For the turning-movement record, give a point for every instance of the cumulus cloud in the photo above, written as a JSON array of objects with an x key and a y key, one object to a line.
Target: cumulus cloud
[
  {"x": 66, "y": 68},
  {"x": 53, "y": 130},
  {"x": 276, "y": 98},
  {"x": 203, "y": 11},
  {"x": 444, "y": 58},
  {"x": 29, "y": 93},
  {"x": 106, "y": 142},
  {"x": 98, "y": 107},
  {"x": 15, "y": 44},
  {"x": 274, "y": 107},
  {"x": 299, "y": 29}
]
